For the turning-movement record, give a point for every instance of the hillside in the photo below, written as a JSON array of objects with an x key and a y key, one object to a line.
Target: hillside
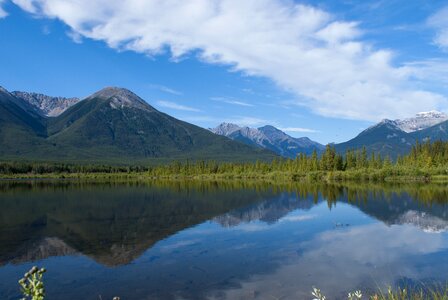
[
  {"x": 20, "y": 131},
  {"x": 112, "y": 126},
  {"x": 393, "y": 138}
]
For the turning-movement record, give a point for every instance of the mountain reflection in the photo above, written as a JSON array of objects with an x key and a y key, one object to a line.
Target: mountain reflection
[{"x": 114, "y": 223}]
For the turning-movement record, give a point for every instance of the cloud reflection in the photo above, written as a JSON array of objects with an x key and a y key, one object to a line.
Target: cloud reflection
[{"x": 367, "y": 257}]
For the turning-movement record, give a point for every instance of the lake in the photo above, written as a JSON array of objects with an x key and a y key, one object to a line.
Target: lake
[{"x": 221, "y": 240}]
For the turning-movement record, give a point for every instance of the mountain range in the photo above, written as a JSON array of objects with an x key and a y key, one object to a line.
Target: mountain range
[
  {"x": 112, "y": 125},
  {"x": 269, "y": 137},
  {"x": 396, "y": 137},
  {"x": 388, "y": 137},
  {"x": 44, "y": 105},
  {"x": 115, "y": 125}
]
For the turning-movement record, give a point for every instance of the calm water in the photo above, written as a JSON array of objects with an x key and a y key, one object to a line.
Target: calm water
[{"x": 221, "y": 240}]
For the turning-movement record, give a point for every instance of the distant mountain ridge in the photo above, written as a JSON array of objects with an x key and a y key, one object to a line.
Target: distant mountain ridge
[
  {"x": 113, "y": 125},
  {"x": 268, "y": 137},
  {"x": 396, "y": 137},
  {"x": 46, "y": 105},
  {"x": 421, "y": 121}
]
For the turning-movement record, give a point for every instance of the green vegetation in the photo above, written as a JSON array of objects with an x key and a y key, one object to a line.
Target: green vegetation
[
  {"x": 399, "y": 294},
  {"x": 32, "y": 285},
  {"x": 425, "y": 162},
  {"x": 98, "y": 129}
]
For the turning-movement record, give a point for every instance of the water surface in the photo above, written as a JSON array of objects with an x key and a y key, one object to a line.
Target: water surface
[{"x": 190, "y": 240}]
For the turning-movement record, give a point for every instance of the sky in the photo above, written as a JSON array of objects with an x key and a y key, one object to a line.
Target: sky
[{"x": 324, "y": 69}]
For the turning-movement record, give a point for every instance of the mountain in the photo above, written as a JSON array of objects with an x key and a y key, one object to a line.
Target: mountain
[
  {"x": 112, "y": 125},
  {"x": 269, "y": 137},
  {"x": 46, "y": 105},
  {"x": 385, "y": 138},
  {"x": 20, "y": 131},
  {"x": 433, "y": 133},
  {"x": 269, "y": 211},
  {"x": 396, "y": 137},
  {"x": 421, "y": 121}
]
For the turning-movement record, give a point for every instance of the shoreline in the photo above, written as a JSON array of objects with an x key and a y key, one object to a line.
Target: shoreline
[{"x": 278, "y": 177}]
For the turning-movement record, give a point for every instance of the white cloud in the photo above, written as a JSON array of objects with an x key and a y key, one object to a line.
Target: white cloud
[
  {"x": 436, "y": 69},
  {"x": 305, "y": 50},
  {"x": 180, "y": 244},
  {"x": 370, "y": 256},
  {"x": 165, "y": 89},
  {"x": 75, "y": 37},
  {"x": 199, "y": 119},
  {"x": 252, "y": 227},
  {"x": 239, "y": 120},
  {"x": 231, "y": 101},
  {"x": 248, "y": 121},
  {"x": 173, "y": 105},
  {"x": 439, "y": 21},
  {"x": 297, "y": 218},
  {"x": 3, "y": 12},
  {"x": 298, "y": 129}
]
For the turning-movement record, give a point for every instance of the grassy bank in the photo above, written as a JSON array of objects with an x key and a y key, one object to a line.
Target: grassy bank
[{"x": 277, "y": 176}]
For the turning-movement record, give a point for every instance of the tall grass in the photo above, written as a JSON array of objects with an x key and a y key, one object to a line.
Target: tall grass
[{"x": 399, "y": 294}]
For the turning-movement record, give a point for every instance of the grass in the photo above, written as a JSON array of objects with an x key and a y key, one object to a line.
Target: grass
[
  {"x": 399, "y": 294},
  {"x": 277, "y": 176}
]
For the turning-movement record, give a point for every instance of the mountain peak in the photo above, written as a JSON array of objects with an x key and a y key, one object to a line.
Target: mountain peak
[
  {"x": 269, "y": 128},
  {"x": 45, "y": 105},
  {"x": 121, "y": 97},
  {"x": 273, "y": 133},
  {"x": 268, "y": 137},
  {"x": 384, "y": 123},
  {"x": 422, "y": 120},
  {"x": 111, "y": 91},
  {"x": 225, "y": 129}
]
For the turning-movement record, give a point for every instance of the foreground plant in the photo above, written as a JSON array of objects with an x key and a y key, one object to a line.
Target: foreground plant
[
  {"x": 32, "y": 285},
  {"x": 355, "y": 295},
  {"x": 400, "y": 294},
  {"x": 317, "y": 294}
]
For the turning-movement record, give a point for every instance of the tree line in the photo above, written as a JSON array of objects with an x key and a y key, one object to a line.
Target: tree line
[{"x": 423, "y": 156}]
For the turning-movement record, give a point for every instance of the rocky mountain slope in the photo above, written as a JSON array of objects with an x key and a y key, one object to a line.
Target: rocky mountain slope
[
  {"x": 46, "y": 105},
  {"x": 269, "y": 137},
  {"x": 421, "y": 121},
  {"x": 112, "y": 125}
]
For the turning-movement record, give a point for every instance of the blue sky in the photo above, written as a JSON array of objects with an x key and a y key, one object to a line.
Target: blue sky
[{"x": 323, "y": 69}]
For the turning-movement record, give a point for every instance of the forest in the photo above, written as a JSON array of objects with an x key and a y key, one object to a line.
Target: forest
[{"x": 424, "y": 162}]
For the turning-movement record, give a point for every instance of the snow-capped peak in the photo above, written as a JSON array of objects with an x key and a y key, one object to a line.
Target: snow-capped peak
[
  {"x": 384, "y": 122},
  {"x": 421, "y": 121},
  {"x": 431, "y": 114}
]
